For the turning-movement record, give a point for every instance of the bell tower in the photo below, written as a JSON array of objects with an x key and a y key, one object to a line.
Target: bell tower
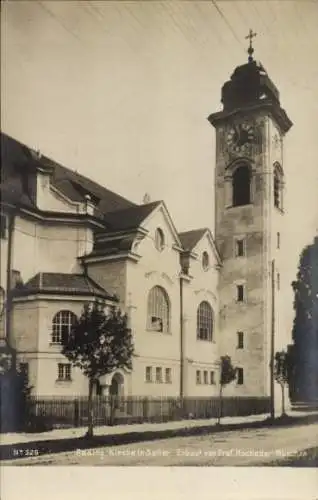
[{"x": 249, "y": 222}]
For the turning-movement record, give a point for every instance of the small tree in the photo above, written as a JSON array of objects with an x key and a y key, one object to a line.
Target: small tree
[
  {"x": 282, "y": 373},
  {"x": 227, "y": 375},
  {"x": 98, "y": 344}
]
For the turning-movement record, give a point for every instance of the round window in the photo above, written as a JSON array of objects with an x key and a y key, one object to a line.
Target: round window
[
  {"x": 159, "y": 240},
  {"x": 205, "y": 261}
]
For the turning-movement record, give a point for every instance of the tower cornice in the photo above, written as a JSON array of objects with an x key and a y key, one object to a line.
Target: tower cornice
[{"x": 278, "y": 113}]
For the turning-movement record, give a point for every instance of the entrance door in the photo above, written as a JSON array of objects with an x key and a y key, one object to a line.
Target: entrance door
[{"x": 116, "y": 389}]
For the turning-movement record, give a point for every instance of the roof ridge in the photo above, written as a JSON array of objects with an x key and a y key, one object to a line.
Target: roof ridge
[{"x": 86, "y": 179}]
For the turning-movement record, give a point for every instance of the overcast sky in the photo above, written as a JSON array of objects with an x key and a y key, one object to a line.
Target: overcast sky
[{"x": 120, "y": 91}]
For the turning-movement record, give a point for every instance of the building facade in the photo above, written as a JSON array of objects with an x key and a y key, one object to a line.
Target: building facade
[{"x": 190, "y": 297}]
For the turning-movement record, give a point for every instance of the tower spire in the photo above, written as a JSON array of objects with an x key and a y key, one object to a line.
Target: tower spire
[{"x": 250, "y": 49}]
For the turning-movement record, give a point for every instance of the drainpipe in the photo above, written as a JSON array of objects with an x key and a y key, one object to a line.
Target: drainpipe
[
  {"x": 272, "y": 344},
  {"x": 181, "y": 341},
  {"x": 8, "y": 302}
]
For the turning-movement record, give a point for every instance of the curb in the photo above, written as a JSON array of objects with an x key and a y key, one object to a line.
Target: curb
[{"x": 50, "y": 446}]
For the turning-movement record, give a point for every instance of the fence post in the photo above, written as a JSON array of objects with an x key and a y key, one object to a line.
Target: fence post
[
  {"x": 145, "y": 408},
  {"x": 76, "y": 412}
]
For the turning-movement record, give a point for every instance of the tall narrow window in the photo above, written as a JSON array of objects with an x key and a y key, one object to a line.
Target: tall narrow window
[
  {"x": 168, "y": 378},
  {"x": 198, "y": 377},
  {"x": 158, "y": 374},
  {"x": 240, "y": 376},
  {"x": 158, "y": 310},
  {"x": 240, "y": 340},
  {"x": 241, "y": 186},
  {"x": 240, "y": 293},
  {"x": 205, "y": 322},
  {"x": 205, "y": 377},
  {"x": 212, "y": 378},
  {"x": 278, "y": 186},
  {"x": 278, "y": 240},
  {"x": 276, "y": 190},
  {"x": 148, "y": 374},
  {"x": 205, "y": 261},
  {"x": 239, "y": 248},
  {"x": 159, "y": 239},
  {"x": 278, "y": 281}
]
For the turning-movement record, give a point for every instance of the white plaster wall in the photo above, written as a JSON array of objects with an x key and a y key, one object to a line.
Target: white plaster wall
[
  {"x": 142, "y": 388},
  {"x": 200, "y": 354},
  {"x": 155, "y": 268},
  {"x": 25, "y": 326},
  {"x": 47, "y": 378},
  {"x": 112, "y": 276},
  {"x": 50, "y": 199},
  {"x": 48, "y": 248}
]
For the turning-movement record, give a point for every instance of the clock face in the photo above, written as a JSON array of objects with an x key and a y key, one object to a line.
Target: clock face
[{"x": 240, "y": 137}]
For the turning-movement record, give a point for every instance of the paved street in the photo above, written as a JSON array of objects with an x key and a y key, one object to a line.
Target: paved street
[{"x": 232, "y": 448}]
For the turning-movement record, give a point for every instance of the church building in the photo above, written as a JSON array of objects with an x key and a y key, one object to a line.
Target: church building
[{"x": 190, "y": 297}]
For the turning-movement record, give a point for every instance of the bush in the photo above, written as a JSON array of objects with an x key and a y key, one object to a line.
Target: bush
[{"x": 39, "y": 423}]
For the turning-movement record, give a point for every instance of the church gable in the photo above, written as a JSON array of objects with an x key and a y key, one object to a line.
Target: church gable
[
  {"x": 199, "y": 251},
  {"x": 161, "y": 228}
]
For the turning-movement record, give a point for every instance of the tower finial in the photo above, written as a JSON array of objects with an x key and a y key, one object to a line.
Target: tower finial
[{"x": 250, "y": 50}]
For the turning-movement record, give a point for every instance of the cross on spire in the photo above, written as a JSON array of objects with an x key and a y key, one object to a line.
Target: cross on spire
[{"x": 250, "y": 50}]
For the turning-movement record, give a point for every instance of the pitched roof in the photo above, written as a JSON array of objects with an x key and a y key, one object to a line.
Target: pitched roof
[
  {"x": 62, "y": 284},
  {"x": 189, "y": 239},
  {"x": 75, "y": 186},
  {"x": 129, "y": 218},
  {"x": 19, "y": 161}
]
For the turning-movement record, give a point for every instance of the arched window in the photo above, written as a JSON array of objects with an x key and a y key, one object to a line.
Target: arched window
[
  {"x": 159, "y": 239},
  {"x": 62, "y": 325},
  {"x": 205, "y": 321},
  {"x": 205, "y": 261},
  {"x": 278, "y": 186},
  {"x": 241, "y": 184},
  {"x": 158, "y": 310}
]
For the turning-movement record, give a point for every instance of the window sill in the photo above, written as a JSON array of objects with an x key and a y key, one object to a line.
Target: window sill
[
  {"x": 158, "y": 331},
  {"x": 229, "y": 207},
  {"x": 63, "y": 381},
  {"x": 205, "y": 340}
]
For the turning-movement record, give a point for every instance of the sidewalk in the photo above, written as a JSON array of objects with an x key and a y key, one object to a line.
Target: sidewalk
[{"x": 145, "y": 428}]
